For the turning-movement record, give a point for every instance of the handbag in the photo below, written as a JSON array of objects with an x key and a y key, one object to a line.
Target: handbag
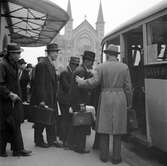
[
  {"x": 132, "y": 123},
  {"x": 82, "y": 119}
]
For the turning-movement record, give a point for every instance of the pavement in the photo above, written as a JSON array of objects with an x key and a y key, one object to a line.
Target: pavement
[{"x": 53, "y": 156}]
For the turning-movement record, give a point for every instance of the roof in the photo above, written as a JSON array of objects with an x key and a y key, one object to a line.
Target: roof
[
  {"x": 34, "y": 22},
  {"x": 146, "y": 14}
]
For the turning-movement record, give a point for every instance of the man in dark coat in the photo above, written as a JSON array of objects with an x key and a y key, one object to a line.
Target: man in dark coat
[
  {"x": 82, "y": 96},
  {"x": 11, "y": 113},
  {"x": 44, "y": 92},
  {"x": 64, "y": 97},
  {"x": 24, "y": 78}
]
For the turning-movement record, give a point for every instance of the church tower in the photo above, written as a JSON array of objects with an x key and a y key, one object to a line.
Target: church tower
[
  {"x": 100, "y": 23},
  {"x": 69, "y": 25}
]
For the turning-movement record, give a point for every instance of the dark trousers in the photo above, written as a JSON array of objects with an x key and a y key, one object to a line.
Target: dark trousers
[
  {"x": 96, "y": 141},
  {"x": 66, "y": 120},
  {"x": 12, "y": 135},
  {"x": 50, "y": 133},
  {"x": 80, "y": 138},
  {"x": 104, "y": 147}
]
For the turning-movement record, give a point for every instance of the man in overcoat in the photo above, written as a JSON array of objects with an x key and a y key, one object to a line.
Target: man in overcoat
[
  {"x": 64, "y": 97},
  {"x": 115, "y": 99},
  {"x": 11, "y": 111},
  {"x": 82, "y": 96},
  {"x": 24, "y": 79},
  {"x": 44, "y": 92}
]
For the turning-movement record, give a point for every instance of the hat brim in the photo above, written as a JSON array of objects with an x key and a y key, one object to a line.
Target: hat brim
[
  {"x": 16, "y": 51},
  {"x": 52, "y": 50},
  {"x": 111, "y": 52}
]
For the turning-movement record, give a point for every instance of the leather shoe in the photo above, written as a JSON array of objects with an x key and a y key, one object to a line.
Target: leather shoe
[
  {"x": 55, "y": 144},
  {"x": 22, "y": 153},
  {"x": 82, "y": 151},
  {"x": 42, "y": 145},
  {"x": 3, "y": 154},
  {"x": 116, "y": 161},
  {"x": 104, "y": 159}
]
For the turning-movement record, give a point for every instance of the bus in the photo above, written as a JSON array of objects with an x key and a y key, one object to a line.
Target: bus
[{"x": 143, "y": 47}]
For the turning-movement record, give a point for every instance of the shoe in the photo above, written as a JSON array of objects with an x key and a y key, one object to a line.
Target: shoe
[
  {"x": 22, "y": 153},
  {"x": 116, "y": 161},
  {"x": 3, "y": 154},
  {"x": 42, "y": 145},
  {"x": 104, "y": 159},
  {"x": 82, "y": 151},
  {"x": 55, "y": 144}
]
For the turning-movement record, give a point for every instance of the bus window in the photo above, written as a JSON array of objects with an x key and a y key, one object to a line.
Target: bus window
[{"x": 157, "y": 43}]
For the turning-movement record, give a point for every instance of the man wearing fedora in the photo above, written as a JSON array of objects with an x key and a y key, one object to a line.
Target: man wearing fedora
[
  {"x": 44, "y": 92},
  {"x": 65, "y": 84},
  {"x": 11, "y": 111},
  {"x": 82, "y": 96},
  {"x": 116, "y": 95}
]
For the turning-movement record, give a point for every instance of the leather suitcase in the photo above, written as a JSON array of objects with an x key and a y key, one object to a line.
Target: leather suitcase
[
  {"x": 40, "y": 114},
  {"x": 82, "y": 119}
]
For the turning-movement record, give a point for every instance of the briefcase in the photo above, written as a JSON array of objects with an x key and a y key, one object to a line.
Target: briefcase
[
  {"x": 82, "y": 119},
  {"x": 41, "y": 114}
]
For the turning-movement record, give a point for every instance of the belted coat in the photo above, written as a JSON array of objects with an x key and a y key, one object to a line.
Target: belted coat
[{"x": 115, "y": 96}]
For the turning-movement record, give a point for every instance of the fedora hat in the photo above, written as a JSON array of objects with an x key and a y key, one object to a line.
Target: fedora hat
[
  {"x": 52, "y": 47},
  {"x": 74, "y": 60},
  {"x": 21, "y": 61},
  {"x": 14, "y": 48},
  {"x": 89, "y": 55},
  {"x": 112, "y": 50}
]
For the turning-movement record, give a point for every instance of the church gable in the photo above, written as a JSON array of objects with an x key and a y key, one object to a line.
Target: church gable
[{"x": 84, "y": 26}]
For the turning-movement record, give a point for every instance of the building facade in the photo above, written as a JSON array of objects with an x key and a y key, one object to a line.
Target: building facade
[{"x": 84, "y": 37}]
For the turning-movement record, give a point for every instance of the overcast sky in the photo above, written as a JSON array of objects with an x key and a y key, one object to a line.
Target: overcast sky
[{"x": 115, "y": 12}]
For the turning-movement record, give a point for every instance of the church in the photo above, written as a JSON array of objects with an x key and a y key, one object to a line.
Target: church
[{"x": 84, "y": 37}]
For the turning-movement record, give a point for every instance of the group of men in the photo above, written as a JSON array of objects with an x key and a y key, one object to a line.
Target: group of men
[{"x": 108, "y": 89}]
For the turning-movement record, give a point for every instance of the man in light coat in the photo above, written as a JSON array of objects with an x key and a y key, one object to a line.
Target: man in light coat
[{"x": 115, "y": 99}]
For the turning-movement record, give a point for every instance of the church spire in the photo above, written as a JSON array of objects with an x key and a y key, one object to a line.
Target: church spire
[
  {"x": 100, "y": 23},
  {"x": 100, "y": 14},
  {"x": 69, "y": 9},
  {"x": 69, "y": 25}
]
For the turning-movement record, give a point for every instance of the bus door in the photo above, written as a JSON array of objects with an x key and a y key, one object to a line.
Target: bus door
[{"x": 135, "y": 60}]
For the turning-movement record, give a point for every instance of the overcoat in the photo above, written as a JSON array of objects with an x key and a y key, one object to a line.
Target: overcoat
[
  {"x": 80, "y": 95},
  {"x": 115, "y": 96},
  {"x": 9, "y": 82},
  {"x": 65, "y": 82},
  {"x": 44, "y": 87},
  {"x": 24, "y": 80}
]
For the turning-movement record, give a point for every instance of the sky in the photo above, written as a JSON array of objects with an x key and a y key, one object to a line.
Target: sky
[{"x": 115, "y": 12}]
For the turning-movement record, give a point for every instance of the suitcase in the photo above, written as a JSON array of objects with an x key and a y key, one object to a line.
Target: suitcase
[
  {"x": 82, "y": 119},
  {"x": 41, "y": 114}
]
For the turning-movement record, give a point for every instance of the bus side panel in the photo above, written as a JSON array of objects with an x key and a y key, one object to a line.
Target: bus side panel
[{"x": 156, "y": 100}]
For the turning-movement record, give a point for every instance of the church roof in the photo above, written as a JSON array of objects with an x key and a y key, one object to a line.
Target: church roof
[
  {"x": 100, "y": 18},
  {"x": 85, "y": 22}
]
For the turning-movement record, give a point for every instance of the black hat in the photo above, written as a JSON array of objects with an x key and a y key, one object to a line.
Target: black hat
[
  {"x": 112, "y": 50},
  {"x": 21, "y": 61},
  {"x": 29, "y": 65},
  {"x": 74, "y": 60},
  {"x": 14, "y": 48},
  {"x": 52, "y": 47},
  {"x": 89, "y": 55}
]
